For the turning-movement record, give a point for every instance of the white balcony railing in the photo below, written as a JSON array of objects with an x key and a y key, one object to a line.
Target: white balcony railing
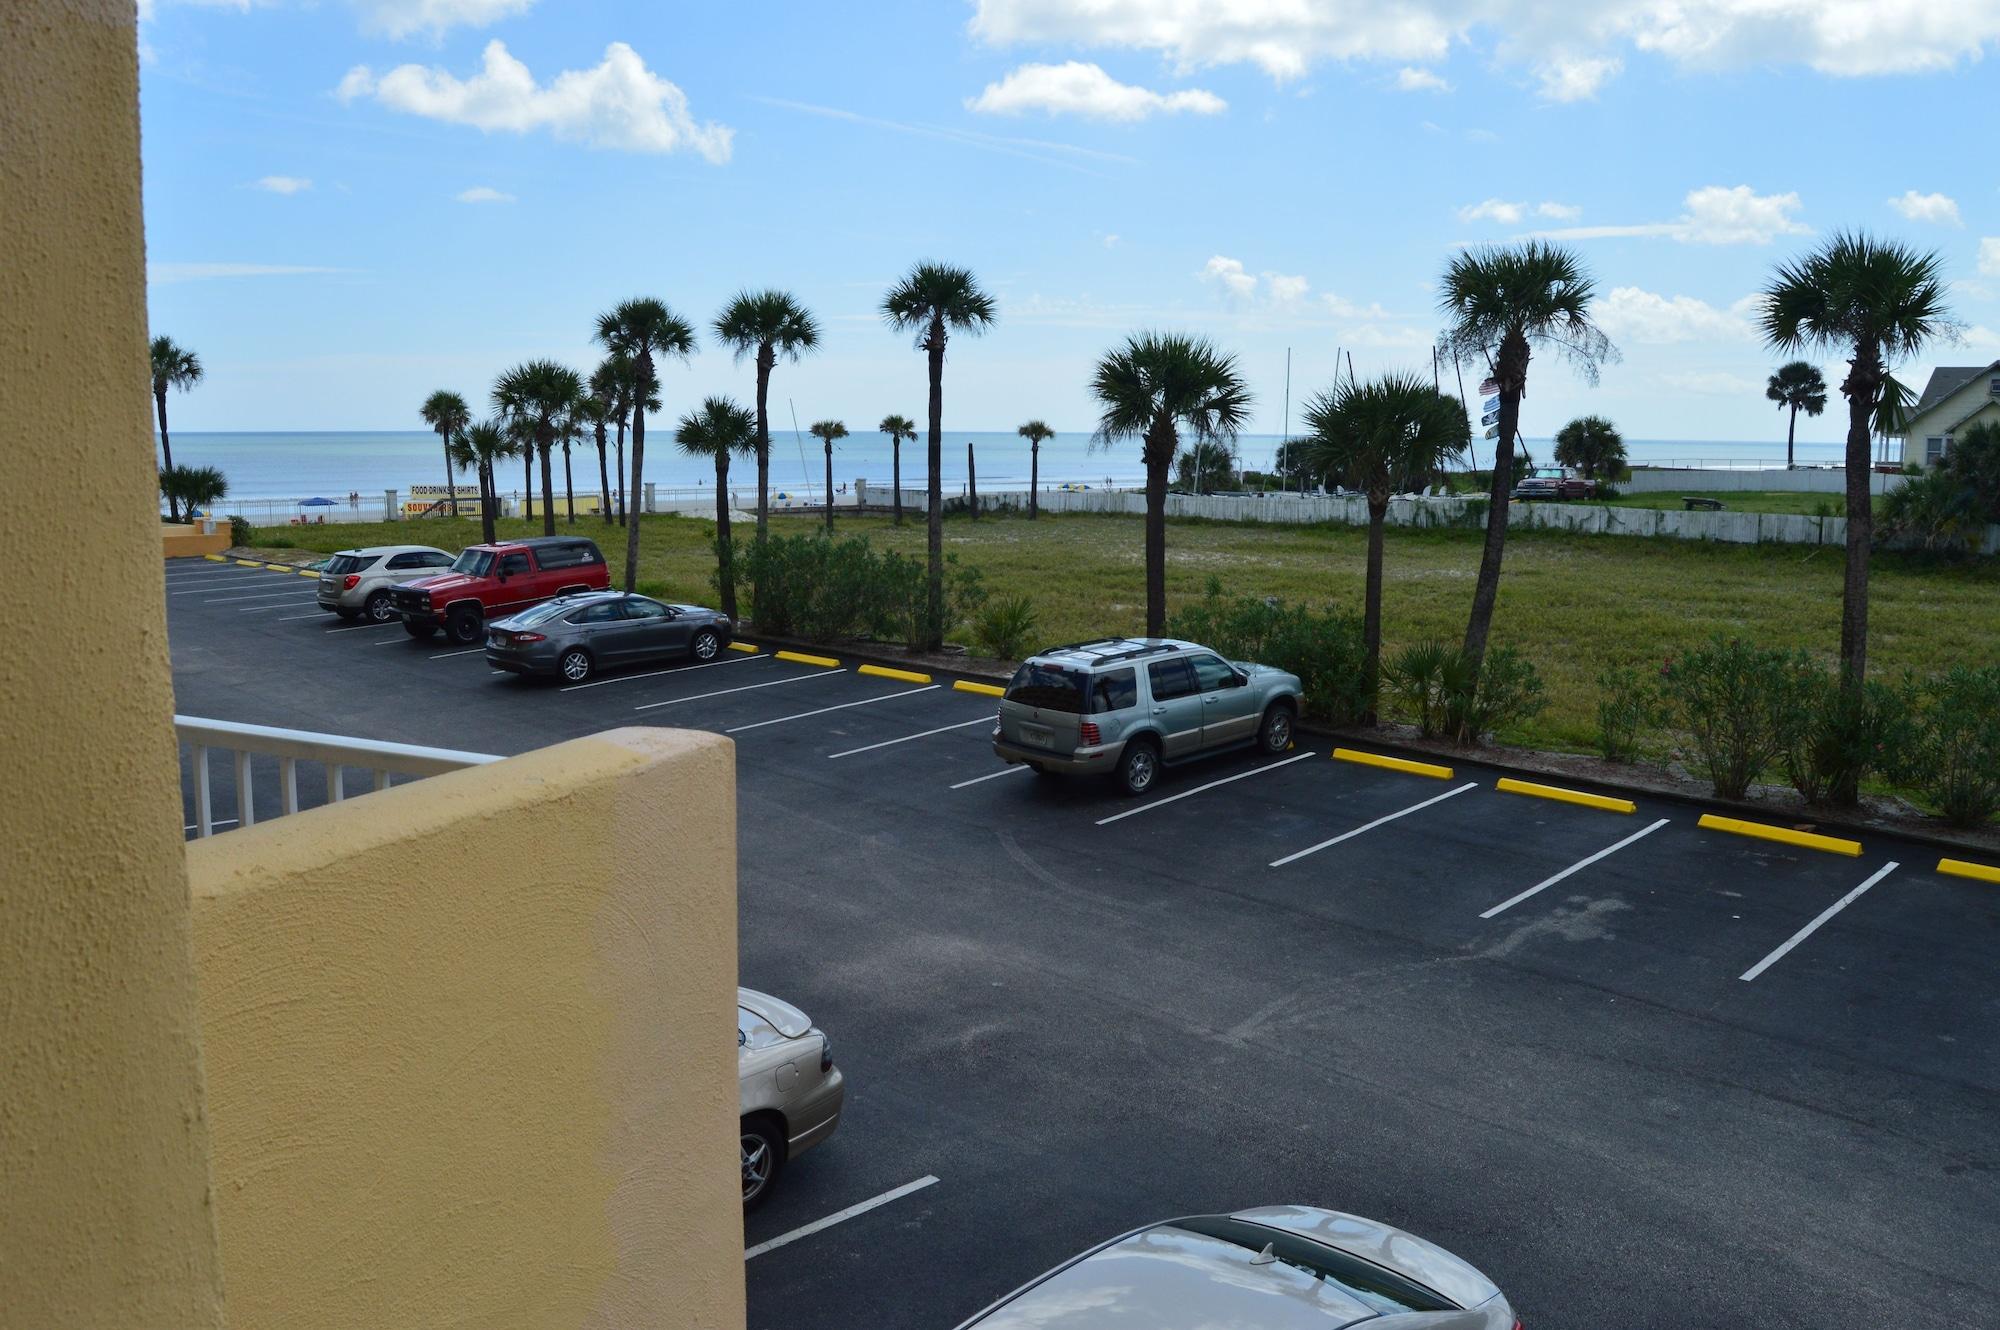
[{"x": 336, "y": 753}]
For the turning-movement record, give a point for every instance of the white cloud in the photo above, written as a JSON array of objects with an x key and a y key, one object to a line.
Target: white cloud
[
  {"x": 618, "y": 103},
  {"x": 1230, "y": 274},
  {"x": 1076, "y": 88},
  {"x": 1562, "y": 212},
  {"x": 403, "y": 18},
  {"x": 1111, "y": 240},
  {"x": 1284, "y": 289},
  {"x": 1989, "y": 256},
  {"x": 1342, "y": 308},
  {"x": 1285, "y": 38},
  {"x": 1715, "y": 215},
  {"x": 283, "y": 184},
  {"x": 1493, "y": 210},
  {"x": 483, "y": 194},
  {"x": 1928, "y": 208},
  {"x": 161, "y": 273},
  {"x": 1412, "y": 79},
  {"x": 1630, "y": 314}
]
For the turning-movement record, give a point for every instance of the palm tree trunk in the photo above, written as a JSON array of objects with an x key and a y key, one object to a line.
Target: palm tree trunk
[
  {"x": 569, "y": 485},
  {"x": 1159, "y": 458},
  {"x": 603, "y": 479},
  {"x": 896, "y": 476},
  {"x": 1791, "y": 431},
  {"x": 166, "y": 449},
  {"x": 933, "y": 634},
  {"x": 548, "y": 488},
  {"x": 638, "y": 465},
  {"x": 489, "y": 499},
  {"x": 829, "y": 487},
  {"x": 1034, "y": 480},
  {"x": 1371, "y": 607},
  {"x": 528, "y": 481},
  {"x": 450, "y": 481},
  {"x": 725, "y": 555},
  {"x": 1863, "y": 387},
  {"x": 621, "y": 471},
  {"x": 971, "y": 482},
  {"x": 765, "y": 359},
  {"x": 1512, "y": 372}
]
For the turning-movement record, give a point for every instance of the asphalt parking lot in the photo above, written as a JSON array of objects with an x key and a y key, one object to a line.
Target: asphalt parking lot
[{"x": 1638, "y": 1087}]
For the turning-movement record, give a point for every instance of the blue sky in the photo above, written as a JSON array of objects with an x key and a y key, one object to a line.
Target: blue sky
[{"x": 350, "y": 203}]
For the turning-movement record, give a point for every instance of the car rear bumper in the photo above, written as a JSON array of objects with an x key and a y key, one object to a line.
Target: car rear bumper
[
  {"x": 1082, "y": 762},
  {"x": 815, "y": 1118}
]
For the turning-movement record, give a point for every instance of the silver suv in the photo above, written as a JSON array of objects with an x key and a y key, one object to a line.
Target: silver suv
[
  {"x": 356, "y": 582},
  {"x": 1128, "y": 706}
]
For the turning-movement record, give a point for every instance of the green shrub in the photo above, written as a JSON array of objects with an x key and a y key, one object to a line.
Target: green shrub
[
  {"x": 905, "y": 611},
  {"x": 1836, "y": 738},
  {"x": 1436, "y": 686},
  {"x": 1322, "y": 645},
  {"x": 1953, "y": 758},
  {"x": 1628, "y": 711},
  {"x": 1736, "y": 705},
  {"x": 1974, "y": 461},
  {"x": 1423, "y": 677},
  {"x": 1005, "y": 627},
  {"x": 823, "y": 589},
  {"x": 240, "y": 530},
  {"x": 1937, "y": 511}
]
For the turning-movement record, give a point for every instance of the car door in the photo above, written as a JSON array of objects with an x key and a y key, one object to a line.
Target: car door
[
  {"x": 1228, "y": 709},
  {"x": 516, "y": 576},
  {"x": 655, "y": 630},
  {"x": 1176, "y": 706},
  {"x": 600, "y": 627}
]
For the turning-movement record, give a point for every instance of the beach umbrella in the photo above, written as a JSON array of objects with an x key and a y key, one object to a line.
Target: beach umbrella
[{"x": 318, "y": 503}]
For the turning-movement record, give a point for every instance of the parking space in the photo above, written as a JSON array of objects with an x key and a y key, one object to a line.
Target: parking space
[{"x": 1588, "y": 1049}]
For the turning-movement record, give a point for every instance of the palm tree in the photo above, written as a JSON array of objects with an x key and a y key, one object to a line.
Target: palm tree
[
  {"x": 1383, "y": 438},
  {"x": 192, "y": 487},
  {"x": 1876, "y": 302},
  {"x": 596, "y": 415},
  {"x": 481, "y": 447},
  {"x": 719, "y": 430},
  {"x": 1036, "y": 433},
  {"x": 826, "y": 431},
  {"x": 1500, "y": 303},
  {"x": 1800, "y": 386},
  {"x": 897, "y": 428},
  {"x": 1153, "y": 386},
  {"x": 541, "y": 395},
  {"x": 768, "y": 324},
  {"x": 1593, "y": 446},
  {"x": 446, "y": 413},
  {"x": 174, "y": 366},
  {"x": 931, "y": 302},
  {"x": 571, "y": 426},
  {"x": 642, "y": 329}
]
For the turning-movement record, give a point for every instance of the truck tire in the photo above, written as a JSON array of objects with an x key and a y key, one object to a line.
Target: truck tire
[{"x": 463, "y": 625}]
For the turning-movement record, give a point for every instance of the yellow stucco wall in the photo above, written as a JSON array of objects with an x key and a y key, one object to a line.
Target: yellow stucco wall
[
  {"x": 470, "y": 1047},
  {"x": 105, "y": 1215},
  {"x": 187, "y": 542}
]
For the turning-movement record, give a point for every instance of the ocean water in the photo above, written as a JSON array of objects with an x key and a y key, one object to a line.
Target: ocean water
[{"x": 288, "y": 466}]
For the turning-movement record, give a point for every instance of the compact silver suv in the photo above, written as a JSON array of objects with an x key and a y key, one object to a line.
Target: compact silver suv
[
  {"x": 357, "y": 582},
  {"x": 1127, "y": 706}
]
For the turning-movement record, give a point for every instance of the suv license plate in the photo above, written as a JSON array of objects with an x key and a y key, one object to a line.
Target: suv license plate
[{"x": 1038, "y": 735}]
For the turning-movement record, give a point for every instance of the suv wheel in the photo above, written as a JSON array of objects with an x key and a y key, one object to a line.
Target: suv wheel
[
  {"x": 1276, "y": 734},
  {"x": 575, "y": 665},
  {"x": 763, "y": 1156},
  {"x": 706, "y": 643},
  {"x": 1139, "y": 767},
  {"x": 378, "y": 607},
  {"x": 463, "y": 624}
]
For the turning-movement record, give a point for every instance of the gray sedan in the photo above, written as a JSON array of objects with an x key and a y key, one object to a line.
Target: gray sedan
[{"x": 573, "y": 637}]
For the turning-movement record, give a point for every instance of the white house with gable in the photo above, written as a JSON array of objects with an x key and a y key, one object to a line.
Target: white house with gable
[{"x": 1957, "y": 396}]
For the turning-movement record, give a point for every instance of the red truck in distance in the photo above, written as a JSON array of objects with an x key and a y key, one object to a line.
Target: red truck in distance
[{"x": 493, "y": 581}]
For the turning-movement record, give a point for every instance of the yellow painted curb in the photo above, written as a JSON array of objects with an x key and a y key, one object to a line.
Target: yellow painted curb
[
  {"x": 743, "y": 646},
  {"x": 307, "y": 572},
  {"x": 1508, "y": 785},
  {"x": 279, "y": 567},
  {"x": 984, "y": 689},
  {"x": 1960, "y": 868},
  {"x": 215, "y": 558},
  {"x": 803, "y": 659},
  {"x": 1785, "y": 835},
  {"x": 884, "y": 672},
  {"x": 1392, "y": 763},
  {"x": 249, "y": 563}
]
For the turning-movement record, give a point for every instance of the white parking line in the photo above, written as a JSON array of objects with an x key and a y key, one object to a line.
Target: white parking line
[
  {"x": 1188, "y": 794},
  {"x": 922, "y": 734},
  {"x": 264, "y": 609},
  {"x": 1813, "y": 927},
  {"x": 769, "y": 683},
  {"x": 1578, "y": 866},
  {"x": 654, "y": 674},
  {"x": 842, "y": 706},
  {"x": 835, "y": 1218},
  {"x": 469, "y": 651},
  {"x": 992, "y": 775},
  {"x": 218, "y": 584},
  {"x": 357, "y": 627},
  {"x": 321, "y": 615},
  {"x": 291, "y": 591},
  {"x": 1370, "y": 826}
]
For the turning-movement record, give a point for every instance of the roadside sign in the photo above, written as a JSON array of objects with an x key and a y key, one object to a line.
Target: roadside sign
[
  {"x": 1493, "y": 432},
  {"x": 1492, "y": 404},
  {"x": 1490, "y": 418},
  {"x": 1488, "y": 386}
]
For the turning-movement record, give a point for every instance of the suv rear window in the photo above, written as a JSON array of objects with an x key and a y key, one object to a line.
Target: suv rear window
[
  {"x": 1049, "y": 687},
  {"x": 342, "y": 564},
  {"x": 567, "y": 556}
]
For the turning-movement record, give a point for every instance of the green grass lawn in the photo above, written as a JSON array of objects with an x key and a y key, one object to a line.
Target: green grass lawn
[
  {"x": 1746, "y": 501},
  {"x": 1574, "y": 605}
]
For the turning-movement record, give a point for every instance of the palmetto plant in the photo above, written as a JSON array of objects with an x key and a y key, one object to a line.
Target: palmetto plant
[
  {"x": 446, "y": 413},
  {"x": 898, "y": 428},
  {"x": 192, "y": 487},
  {"x": 481, "y": 447},
  {"x": 1593, "y": 446},
  {"x": 541, "y": 396},
  {"x": 1384, "y": 437},
  {"x": 1500, "y": 304},
  {"x": 720, "y": 429},
  {"x": 643, "y": 330},
  {"x": 769, "y": 325},
  {"x": 174, "y": 366},
  {"x": 1874, "y": 302},
  {"x": 826, "y": 431},
  {"x": 1036, "y": 433},
  {"x": 932, "y": 301},
  {"x": 1798, "y": 386},
  {"x": 1153, "y": 387}
]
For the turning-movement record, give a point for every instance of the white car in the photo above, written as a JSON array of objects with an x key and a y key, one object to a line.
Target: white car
[
  {"x": 790, "y": 1090},
  {"x": 354, "y": 583}
]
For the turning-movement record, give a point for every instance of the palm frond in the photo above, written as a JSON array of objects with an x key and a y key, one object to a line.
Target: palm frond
[
  {"x": 937, "y": 292},
  {"x": 753, "y": 320}
]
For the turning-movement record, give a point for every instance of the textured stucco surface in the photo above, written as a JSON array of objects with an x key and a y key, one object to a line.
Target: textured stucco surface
[
  {"x": 470, "y": 1046},
  {"x": 105, "y": 1216}
]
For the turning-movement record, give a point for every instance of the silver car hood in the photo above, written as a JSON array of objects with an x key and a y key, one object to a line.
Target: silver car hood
[
  {"x": 1409, "y": 1255},
  {"x": 788, "y": 1020}
]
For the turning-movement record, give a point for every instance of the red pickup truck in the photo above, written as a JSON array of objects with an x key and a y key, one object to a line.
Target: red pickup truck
[{"x": 493, "y": 581}]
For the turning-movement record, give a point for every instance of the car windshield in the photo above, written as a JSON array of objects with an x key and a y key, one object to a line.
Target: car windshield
[
  {"x": 1048, "y": 687},
  {"x": 1548, "y": 473},
  {"x": 341, "y": 564},
  {"x": 474, "y": 563}
]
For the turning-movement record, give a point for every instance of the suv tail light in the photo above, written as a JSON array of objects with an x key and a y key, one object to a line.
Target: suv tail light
[
  {"x": 1089, "y": 733},
  {"x": 351, "y": 581},
  {"x": 826, "y": 1065}
]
